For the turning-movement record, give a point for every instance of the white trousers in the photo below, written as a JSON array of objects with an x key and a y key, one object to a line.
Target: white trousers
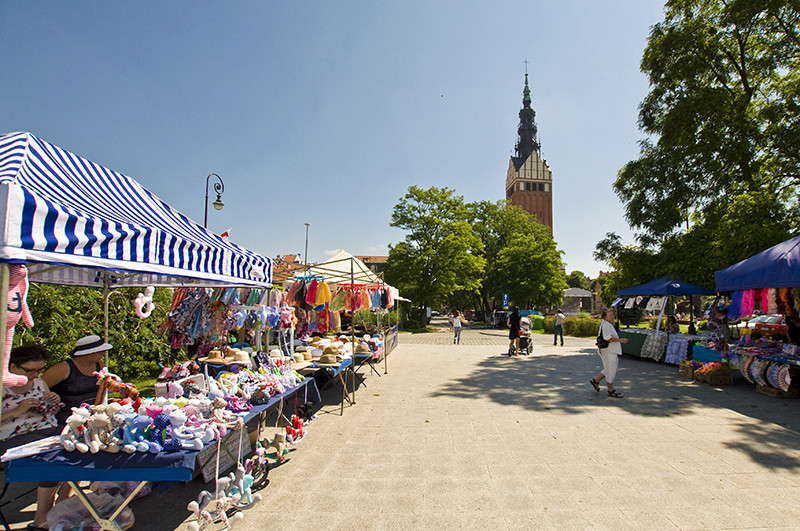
[{"x": 610, "y": 363}]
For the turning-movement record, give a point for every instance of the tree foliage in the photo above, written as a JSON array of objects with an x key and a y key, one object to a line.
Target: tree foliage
[
  {"x": 440, "y": 255},
  {"x": 63, "y": 314},
  {"x": 722, "y": 114},
  {"x": 528, "y": 268},
  {"x": 578, "y": 279},
  {"x": 717, "y": 176}
]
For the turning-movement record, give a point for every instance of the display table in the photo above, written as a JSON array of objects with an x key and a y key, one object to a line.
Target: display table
[
  {"x": 636, "y": 337},
  {"x": 333, "y": 374},
  {"x": 72, "y": 467}
]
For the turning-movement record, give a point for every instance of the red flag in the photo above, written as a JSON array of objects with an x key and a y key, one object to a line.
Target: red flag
[{"x": 225, "y": 235}]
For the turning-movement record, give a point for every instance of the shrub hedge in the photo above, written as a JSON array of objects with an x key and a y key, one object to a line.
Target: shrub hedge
[{"x": 582, "y": 325}]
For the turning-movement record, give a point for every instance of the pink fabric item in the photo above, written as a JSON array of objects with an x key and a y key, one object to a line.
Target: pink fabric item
[
  {"x": 748, "y": 302},
  {"x": 311, "y": 294},
  {"x": 17, "y": 309},
  {"x": 765, "y": 300}
]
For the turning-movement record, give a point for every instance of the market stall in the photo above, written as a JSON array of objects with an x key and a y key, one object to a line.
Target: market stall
[
  {"x": 768, "y": 282},
  {"x": 658, "y": 345},
  {"x": 73, "y": 222}
]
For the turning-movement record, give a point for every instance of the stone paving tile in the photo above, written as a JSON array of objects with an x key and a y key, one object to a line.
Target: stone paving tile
[{"x": 462, "y": 437}]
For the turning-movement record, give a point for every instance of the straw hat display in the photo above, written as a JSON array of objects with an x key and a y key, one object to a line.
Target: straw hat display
[
  {"x": 362, "y": 348},
  {"x": 328, "y": 360},
  {"x": 316, "y": 352},
  {"x": 214, "y": 357},
  {"x": 241, "y": 358}
]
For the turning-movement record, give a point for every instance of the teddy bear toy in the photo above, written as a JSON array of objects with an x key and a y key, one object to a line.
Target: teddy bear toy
[{"x": 73, "y": 436}]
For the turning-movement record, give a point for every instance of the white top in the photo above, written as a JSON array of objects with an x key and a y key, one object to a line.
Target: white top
[
  {"x": 608, "y": 331},
  {"x": 559, "y": 318},
  {"x": 456, "y": 322}
]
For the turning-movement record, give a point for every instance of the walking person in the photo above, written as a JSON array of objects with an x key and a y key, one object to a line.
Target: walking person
[
  {"x": 558, "y": 327},
  {"x": 451, "y": 319},
  {"x": 513, "y": 332},
  {"x": 610, "y": 347},
  {"x": 457, "y": 318}
]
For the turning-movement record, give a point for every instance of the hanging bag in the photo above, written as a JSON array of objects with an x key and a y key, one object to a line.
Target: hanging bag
[{"x": 601, "y": 342}]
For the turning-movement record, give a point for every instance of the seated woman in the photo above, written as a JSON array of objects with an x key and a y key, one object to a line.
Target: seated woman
[
  {"x": 72, "y": 379},
  {"x": 672, "y": 325},
  {"x": 28, "y": 414}
]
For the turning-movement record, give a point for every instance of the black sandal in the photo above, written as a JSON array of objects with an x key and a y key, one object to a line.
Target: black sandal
[
  {"x": 615, "y": 394},
  {"x": 595, "y": 384}
]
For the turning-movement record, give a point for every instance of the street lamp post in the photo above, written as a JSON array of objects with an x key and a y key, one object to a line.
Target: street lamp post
[
  {"x": 219, "y": 187},
  {"x": 305, "y": 254}
]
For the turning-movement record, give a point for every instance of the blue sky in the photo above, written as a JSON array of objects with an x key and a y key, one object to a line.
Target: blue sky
[{"x": 326, "y": 112}]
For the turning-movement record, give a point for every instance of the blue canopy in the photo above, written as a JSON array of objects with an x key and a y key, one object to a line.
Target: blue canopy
[
  {"x": 664, "y": 286},
  {"x": 777, "y": 267},
  {"x": 60, "y": 209}
]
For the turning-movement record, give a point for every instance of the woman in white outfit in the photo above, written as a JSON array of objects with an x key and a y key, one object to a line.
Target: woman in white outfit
[{"x": 609, "y": 355}]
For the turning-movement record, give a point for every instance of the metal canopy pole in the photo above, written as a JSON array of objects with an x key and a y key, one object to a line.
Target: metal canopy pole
[{"x": 5, "y": 275}]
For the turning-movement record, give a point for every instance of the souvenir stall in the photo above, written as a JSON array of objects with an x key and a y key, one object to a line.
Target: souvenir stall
[
  {"x": 658, "y": 345},
  {"x": 67, "y": 220},
  {"x": 326, "y": 294},
  {"x": 769, "y": 281}
]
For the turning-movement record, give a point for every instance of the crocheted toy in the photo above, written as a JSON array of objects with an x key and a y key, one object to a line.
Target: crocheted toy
[
  {"x": 17, "y": 309},
  {"x": 132, "y": 440},
  {"x": 100, "y": 435},
  {"x": 73, "y": 436},
  {"x": 187, "y": 439},
  {"x": 243, "y": 487},
  {"x": 294, "y": 433},
  {"x": 143, "y": 304},
  {"x": 279, "y": 444}
]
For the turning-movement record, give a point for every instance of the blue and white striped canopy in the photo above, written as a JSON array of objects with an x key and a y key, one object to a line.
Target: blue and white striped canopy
[{"x": 60, "y": 209}]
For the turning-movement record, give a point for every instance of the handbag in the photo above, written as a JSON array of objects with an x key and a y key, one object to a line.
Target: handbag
[{"x": 601, "y": 342}]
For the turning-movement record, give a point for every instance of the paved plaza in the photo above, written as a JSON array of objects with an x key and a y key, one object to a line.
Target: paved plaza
[{"x": 463, "y": 437}]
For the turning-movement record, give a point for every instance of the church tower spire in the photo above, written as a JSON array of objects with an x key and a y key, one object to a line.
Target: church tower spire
[
  {"x": 526, "y": 130},
  {"x": 529, "y": 181}
]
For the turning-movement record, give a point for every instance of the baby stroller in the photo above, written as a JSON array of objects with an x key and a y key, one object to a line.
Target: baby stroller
[{"x": 525, "y": 343}]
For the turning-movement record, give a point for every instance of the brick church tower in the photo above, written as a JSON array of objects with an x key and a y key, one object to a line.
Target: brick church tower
[{"x": 529, "y": 182}]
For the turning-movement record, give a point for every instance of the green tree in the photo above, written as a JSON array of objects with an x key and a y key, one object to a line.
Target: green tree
[
  {"x": 63, "y": 314},
  {"x": 440, "y": 255},
  {"x": 722, "y": 115},
  {"x": 496, "y": 224},
  {"x": 528, "y": 268},
  {"x": 577, "y": 279}
]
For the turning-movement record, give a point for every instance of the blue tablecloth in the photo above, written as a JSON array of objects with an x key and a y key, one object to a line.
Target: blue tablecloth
[{"x": 705, "y": 355}]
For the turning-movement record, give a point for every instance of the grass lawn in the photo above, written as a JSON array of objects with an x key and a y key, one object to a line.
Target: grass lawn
[{"x": 145, "y": 386}]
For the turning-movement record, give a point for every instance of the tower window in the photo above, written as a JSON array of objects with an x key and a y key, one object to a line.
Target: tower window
[
  {"x": 527, "y": 186},
  {"x": 541, "y": 187}
]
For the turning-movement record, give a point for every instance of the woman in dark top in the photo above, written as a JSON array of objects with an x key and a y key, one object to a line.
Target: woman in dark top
[
  {"x": 72, "y": 379},
  {"x": 513, "y": 332}
]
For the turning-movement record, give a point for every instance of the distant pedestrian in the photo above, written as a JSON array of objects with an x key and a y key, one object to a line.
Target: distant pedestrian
[
  {"x": 513, "y": 332},
  {"x": 450, "y": 318},
  {"x": 558, "y": 327},
  {"x": 610, "y": 347},
  {"x": 457, "y": 327}
]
